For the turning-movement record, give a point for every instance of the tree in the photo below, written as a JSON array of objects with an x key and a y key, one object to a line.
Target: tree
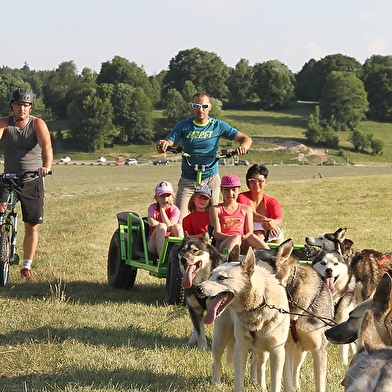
[
  {"x": 313, "y": 76},
  {"x": 8, "y": 84},
  {"x": 377, "y": 78},
  {"x": 142, "y": 119},
  {"x": 91, "y": 115},
  {"x": 60, "y": 88},
  {"x": 240, "y": 84},
  {"x": 344, "y": 102},
  {"x": 273, "y": 83},
  {"x": 176, "y": 108},
  {"x": 359, "y": 140},
  {"x": 319, "y": 131},
  {"x": 188, "y": 91},
  {"x": 204, "y": 69},
  {"x": 120, "y": 70}
]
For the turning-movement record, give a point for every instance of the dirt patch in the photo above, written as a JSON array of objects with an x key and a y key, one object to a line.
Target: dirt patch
[{"x": 290, "y": 145}]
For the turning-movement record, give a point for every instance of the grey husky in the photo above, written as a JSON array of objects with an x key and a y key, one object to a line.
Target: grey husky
[{"x": 336, "y": 272}]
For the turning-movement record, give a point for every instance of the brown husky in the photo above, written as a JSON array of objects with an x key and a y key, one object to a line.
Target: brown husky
[
  {"x": 380, "y": 305},
  {"x": 371, "y": 368},
  {"x": 197, "y": 258}
]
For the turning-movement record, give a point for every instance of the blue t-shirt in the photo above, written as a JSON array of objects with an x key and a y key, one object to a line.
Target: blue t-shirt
[{"x": 202, "y": 140}]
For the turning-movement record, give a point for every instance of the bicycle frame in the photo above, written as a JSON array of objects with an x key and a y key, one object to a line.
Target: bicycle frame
[{"x": 9, "y": 182}]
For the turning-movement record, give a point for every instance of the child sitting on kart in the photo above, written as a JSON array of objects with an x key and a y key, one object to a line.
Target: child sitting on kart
[
  {"x": 232, "y": 221},
  {"x": 163, "y": 217},
  {"x": 196, "y": 223}
]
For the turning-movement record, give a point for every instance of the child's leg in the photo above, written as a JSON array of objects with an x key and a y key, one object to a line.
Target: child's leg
[
  {"x": 256, "y": 242},
  {"x": 230, "y": 242},
  {"x": 155, "y": 244},
  {"x": 177, "y": 230}
]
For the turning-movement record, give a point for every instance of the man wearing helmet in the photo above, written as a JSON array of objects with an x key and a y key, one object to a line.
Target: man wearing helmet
[{"x": 27, "y": 146}]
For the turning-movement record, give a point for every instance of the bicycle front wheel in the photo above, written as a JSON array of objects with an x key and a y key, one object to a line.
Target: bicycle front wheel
[{"x": 4, "y": 258}]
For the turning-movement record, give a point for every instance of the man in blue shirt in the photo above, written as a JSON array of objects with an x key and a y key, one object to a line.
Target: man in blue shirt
[{"x": 199, "y": 135}]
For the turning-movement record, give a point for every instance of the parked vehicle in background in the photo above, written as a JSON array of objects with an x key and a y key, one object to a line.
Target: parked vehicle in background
[
  {"x": 65, "y": 159},
  {"x": 131, "y": 161},
  {"x": 161, "y": 162},
  {"x": 101, "y": 160},
  {"x": 243, "y": 162}
]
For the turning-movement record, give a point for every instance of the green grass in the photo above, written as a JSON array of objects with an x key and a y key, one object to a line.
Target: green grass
[{"x": 70, "y": 331}]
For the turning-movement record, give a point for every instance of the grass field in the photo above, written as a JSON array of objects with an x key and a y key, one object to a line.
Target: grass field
[{"x": 70, "y": 331}]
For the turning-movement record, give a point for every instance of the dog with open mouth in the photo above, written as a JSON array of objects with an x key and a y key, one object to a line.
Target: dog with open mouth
[
  {"x": 256, "y": 303},
  {"x": 197, "y": 258},
  {"x": 338, "y": 275}
]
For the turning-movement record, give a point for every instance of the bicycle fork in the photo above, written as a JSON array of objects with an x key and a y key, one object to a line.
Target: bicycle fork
[{"x": 14, "y": 258}]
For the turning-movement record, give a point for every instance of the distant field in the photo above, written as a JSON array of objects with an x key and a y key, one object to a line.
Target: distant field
[{"x": 288, "y": 124}]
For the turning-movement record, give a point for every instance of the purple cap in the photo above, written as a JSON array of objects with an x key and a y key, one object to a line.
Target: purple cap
[
  {"x": 230, "y": 181},
  {"x": 164, "y": 187}
]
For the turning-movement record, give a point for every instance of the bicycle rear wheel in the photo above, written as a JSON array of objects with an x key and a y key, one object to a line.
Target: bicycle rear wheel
[{"x": 4, "y": 258}]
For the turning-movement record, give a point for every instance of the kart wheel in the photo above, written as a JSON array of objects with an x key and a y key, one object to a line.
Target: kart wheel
[
  {"x": 174, "y": 294},
  {"x": 4, "y": 258},
  {"x": 120, "y": 275}
]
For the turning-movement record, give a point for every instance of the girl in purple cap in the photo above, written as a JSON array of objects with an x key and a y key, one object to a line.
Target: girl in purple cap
[
  {"x": 233, "y": 221},
  {"x": 163, "y": 217},
  {"x": 196, "y": 223}
]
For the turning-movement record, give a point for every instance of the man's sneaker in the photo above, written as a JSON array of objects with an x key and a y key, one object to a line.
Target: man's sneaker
[{"x": 27, "y": 273}]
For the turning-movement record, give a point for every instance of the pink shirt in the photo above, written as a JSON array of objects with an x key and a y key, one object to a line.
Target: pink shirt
[
  {"x": 196, "y": 222},
  {"x": 232, "y": 224},
  {"x": 173, "y": 213}
]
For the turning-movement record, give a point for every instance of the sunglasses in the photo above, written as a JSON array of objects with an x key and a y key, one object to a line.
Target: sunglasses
[
  {"x": 256, "y": 181},
  {"x": 198, "y": 106}
]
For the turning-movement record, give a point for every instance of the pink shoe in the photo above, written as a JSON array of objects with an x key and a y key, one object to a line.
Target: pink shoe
[{"x": 27, "y": 273}]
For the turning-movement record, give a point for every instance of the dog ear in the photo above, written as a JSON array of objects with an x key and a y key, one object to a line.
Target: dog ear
[
  {"x": 205, "y": 237},
  {"x": 285, "y": 249},
  {"x": 383, "y": 295},
  {"x": 340, "y": 234},
  {"x": 234, "y": 254},
  {"x": 248, "y": 263}
]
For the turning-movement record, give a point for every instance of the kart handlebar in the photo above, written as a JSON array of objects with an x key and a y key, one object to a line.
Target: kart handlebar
[{"x": 224, "y": 154}]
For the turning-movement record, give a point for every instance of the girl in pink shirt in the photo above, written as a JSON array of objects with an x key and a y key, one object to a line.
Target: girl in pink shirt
[
  {"x": 163, "y": 217},
  {"x": 232, "y": 221}
]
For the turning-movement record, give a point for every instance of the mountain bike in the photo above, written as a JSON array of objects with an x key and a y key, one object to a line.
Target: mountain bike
[
  {"x": 10, "y": 182},
  {"x": 128, "y": 249}
]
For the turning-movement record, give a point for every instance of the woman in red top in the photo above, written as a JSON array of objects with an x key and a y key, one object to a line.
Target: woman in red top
[
  {"x": 196, "y": 223},
  {"x": 232, "y": 221},
  {"x": 267, "y": 212}
]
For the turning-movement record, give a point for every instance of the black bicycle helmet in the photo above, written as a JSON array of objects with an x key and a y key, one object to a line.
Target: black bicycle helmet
[{"x": 21, "y": 95}]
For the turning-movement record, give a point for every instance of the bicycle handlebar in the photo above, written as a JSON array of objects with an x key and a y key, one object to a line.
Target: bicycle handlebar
[
  {"x": 11, "y": 177},
  {"x": 224, "y": 154}
]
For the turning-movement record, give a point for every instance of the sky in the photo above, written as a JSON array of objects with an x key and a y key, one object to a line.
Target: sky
[{"x": 45, "y": 33}]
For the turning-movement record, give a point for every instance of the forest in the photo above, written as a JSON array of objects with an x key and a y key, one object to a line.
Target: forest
[{"x": 118, "y": 104}]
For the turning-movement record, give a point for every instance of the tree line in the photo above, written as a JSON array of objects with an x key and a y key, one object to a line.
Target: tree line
[{"x": 116, "y": 105}]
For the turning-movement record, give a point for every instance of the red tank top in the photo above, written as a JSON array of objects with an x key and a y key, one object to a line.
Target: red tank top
[{"x": 232, "y": 224}]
